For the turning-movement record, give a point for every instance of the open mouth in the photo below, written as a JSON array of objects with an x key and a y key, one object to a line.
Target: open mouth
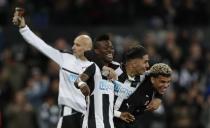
[
  {"x": 163, "y": 90},
  {"x": 109, "y": 56}
]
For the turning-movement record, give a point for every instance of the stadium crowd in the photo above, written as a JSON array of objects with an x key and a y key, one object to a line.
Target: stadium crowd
[
  {"x": 112, "y": 12},
  {"x": 29, "y": 80}
]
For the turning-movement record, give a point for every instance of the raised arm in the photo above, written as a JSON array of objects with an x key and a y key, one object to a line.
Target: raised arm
[{"x": 34, "y": 40}]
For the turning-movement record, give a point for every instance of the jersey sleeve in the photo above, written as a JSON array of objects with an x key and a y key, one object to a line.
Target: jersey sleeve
[
  {"x": 90, "y": 71},
  {"x": 38, "y": 43}
]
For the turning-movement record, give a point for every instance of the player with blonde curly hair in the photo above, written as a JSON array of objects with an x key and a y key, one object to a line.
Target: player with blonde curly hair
[{"x": 154, "y": 84}]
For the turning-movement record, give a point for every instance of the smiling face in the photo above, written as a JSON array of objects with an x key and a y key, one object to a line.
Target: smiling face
[
  {"x": 161, "y": 83},
  {"x": 105, "y": 50},
  {"x": 137, "y": 66}
]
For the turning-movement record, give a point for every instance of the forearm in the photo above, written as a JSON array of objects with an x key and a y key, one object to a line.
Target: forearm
[
  {"x": 81, "y": 80},
  {"x": 38, "y": 43}
]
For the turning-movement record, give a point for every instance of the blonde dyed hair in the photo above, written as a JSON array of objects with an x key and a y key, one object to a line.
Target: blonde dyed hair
[{"x": 160, "y": 69}]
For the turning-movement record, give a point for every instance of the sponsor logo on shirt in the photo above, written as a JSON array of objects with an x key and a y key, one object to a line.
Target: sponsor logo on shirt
[
  {"x": 72, "y": 77},
  {"x": 105, "y": 85},
  {"x": 122, "y": 90}
]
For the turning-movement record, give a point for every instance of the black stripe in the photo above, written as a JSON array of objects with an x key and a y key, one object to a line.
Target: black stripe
[
  {"x": 115, "y": 98},
  {"x": 105, "y": 104},
  {"x": 122, "y": 77},
  {"x": 134, "y": 84},
  {"x": 70, "y": 71},
  {"x": 91, "y": 116},
  {"x": 113, "y": 66},
  {"x": 62, "y": 110},
  {"x": 66, "y": 51}
]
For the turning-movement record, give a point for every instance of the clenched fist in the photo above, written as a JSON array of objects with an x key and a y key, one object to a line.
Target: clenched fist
[
  {"x": 85, "y": 89},
  {"x": 153, "y": 105},
  {"x": 18, "y": 18}
]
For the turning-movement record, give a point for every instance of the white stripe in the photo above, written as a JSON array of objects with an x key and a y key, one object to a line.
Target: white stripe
[
  {"x": 67, "y": 111},
  {"x": 60, "y": 122}
]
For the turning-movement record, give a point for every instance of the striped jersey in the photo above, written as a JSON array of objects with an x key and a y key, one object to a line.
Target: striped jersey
[
  {"x": 100, "y": 108},
  {"x": 141, "y": 89},
  {"x": 70, "y": 68},
  {"x": 131, "y": 84},
  {"x": 100, "y": 102}
]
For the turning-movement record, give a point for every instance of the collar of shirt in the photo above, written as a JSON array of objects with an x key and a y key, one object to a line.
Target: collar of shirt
[{"x": 130, "y": 78}]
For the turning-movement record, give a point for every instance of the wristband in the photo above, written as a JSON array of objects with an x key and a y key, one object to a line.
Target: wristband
[
  {"x": 80, "y": 83},
  {"x": 117, "y": 113}
]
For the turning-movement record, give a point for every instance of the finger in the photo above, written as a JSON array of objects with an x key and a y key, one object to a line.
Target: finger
[
  {"x": 15, "y": 20},
  {"x": 87, "y": 90},
  {"x": 84, "y": 91},
  {"x": 127, "y": 121},
  {"x": 131, "y": 117},
  {"x": 150, "y": 109}
]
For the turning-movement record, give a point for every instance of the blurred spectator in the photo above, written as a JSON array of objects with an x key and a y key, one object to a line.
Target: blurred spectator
[
  {"x": 20, "y": 114},
  {"x": 12, "y": 71},
  {"x": 188, "y": 74},
  {"x": 48, "y": 113},
  {"x": 206, "y": 112},
  {"x": 36, "y": 87},
  {"x": 4, "y": 12},
  {"x": 2, "y": 40},
  {"x": 61, "y": 44}
]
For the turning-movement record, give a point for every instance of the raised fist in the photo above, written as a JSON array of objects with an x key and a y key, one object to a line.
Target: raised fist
[{"x": 18, "y": 18}]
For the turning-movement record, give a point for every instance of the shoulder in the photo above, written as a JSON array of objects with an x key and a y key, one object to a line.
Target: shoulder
[
  {"x": 115, "y": 63},
  {"x": 67, "y": 53}
]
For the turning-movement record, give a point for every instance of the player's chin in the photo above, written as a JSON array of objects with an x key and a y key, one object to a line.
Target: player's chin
[
  {"x": 162, "y": 91},
  {"x": 109, "y": 59}
]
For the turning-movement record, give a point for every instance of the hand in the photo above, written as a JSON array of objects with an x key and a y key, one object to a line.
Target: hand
[
  {"x": 109, "y": 73},
  {"x": 85, "y": 89},
  {"x": 18, "y": 18},
  {"x": 127, "y": 117},
  {"x": 153, "y": 105}
]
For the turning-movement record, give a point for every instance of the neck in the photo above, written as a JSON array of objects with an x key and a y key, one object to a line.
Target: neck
[
  {"x": 129, "y": 72},
  {"x": 83, "y": 58}
]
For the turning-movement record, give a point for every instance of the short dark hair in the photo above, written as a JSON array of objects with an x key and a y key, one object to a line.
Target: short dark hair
[
  {"x": 136, "y": 52},
  {"x": 99, "y": 39}
]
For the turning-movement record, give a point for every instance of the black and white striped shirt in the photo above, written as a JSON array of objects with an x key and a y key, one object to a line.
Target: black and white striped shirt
[
  {"x": 131, "y": 84},
  {"x": 100, "y": 110},
  {"x": 100, "y": 102},
  {"x": 142, "y": 95}
]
